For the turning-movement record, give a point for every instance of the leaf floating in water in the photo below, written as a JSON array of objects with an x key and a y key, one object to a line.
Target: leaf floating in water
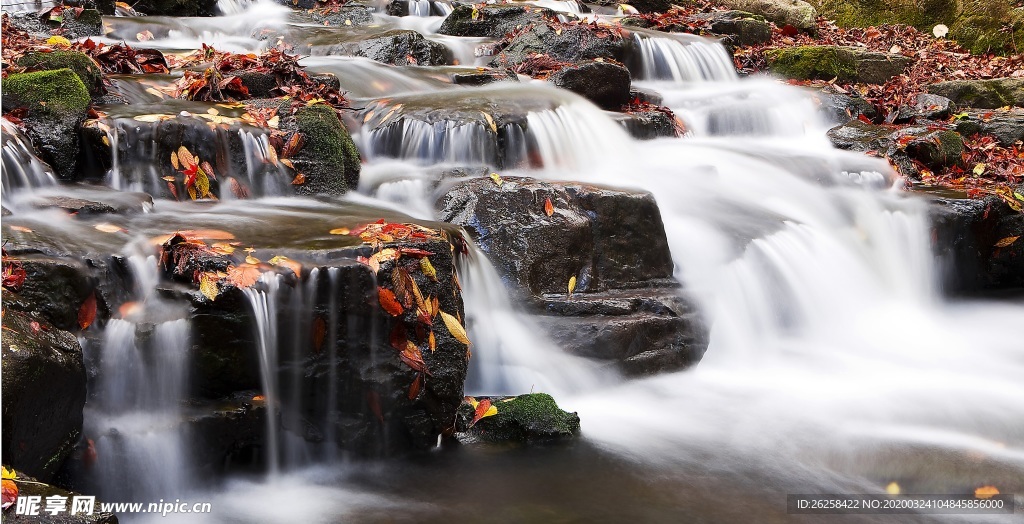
[
  {"x": 222, "y": 248},
  {"x": 21, "y": 229},
  {"x": 144, "y": 36},
  {"x": 893, "y": 488},
  {"x": 986, "y": 492},
  {"x": 208, "y": 285},
  {"x": 283, "y": 261},
  {"x": 340, "y": 231},
  {"x": 251, "y": 260},
  {"x": 1006, "y": 242},
  {"x": 549, "y": 208},
  {"x": 87, "y": 311},
  {"x": 572, "y": 284},
  {"x": 389, "y": 302},
  {"x": 110, "y": 228},
  {"x": 455, "y": 328}
]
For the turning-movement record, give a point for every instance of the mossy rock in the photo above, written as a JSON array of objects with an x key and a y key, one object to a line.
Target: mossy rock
[
  {"x": 329, "y": 159},
  {"x": 847, "y": 64},
  {"x": 80, "y": 63},
  {"x": 983, "y": 94},
  {"x": 936, "y": 149},
  {"x": 974, "y": 24},
  {"x": 534, "y": 417},
  {"x": 796, "y": 13},
  {"x": 56, "y": 93}
]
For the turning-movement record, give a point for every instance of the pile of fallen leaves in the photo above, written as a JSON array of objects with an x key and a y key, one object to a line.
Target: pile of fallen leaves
[
  {"x": 678, "y": 19},
  {"x": 638, "y": 105},
  {"x": 124, "y": 59}
]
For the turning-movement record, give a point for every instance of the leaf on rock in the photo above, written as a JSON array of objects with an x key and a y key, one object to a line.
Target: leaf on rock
[
  {"x": 9, "y": 474},
  {"x": 283, "y": 261},
  {"x": 208, "y": 285},
  {"x": 244, "y": 275},
  {"x": 986, "y": 492},
  {"x": 572, "y": 284},
  {"x": 455, "y": 328},
  {"x": 414, "y": 388},
  {"x": 428, "y": 269},
  {"x": 483, "y": 409},
  {"x": 299, "y": 180},
  {"x": 498, "y": 181},
  {"x": 185, "y": 157},
  {"x": 432, "y": 342},
  {"x": 10, "y": 493},
  {"x": 87, "y": 311},
  {"x": 1006, "y": 242},
  {"x": 413, "y": 358},
  {"x": 549, "y": 208},
  {"x": 389, "y": 302}
]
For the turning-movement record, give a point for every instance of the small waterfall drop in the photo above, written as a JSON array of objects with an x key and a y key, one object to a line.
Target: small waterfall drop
[
  {"x": 263, "y": 300},
  {"x": 22, "y": 169},
  {"x": 680, "y": 59}
]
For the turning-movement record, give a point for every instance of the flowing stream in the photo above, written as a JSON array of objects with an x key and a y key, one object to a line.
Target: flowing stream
[{"x": 835, "y": 363}]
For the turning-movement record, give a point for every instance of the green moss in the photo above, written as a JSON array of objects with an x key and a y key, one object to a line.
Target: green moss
[
  {"x": 330, "y": 157},
  {"x": 812, "y": 62},
  {"x": 531, "y": 417},
  {"x": 80, "y": 63},
  {"x": 59, "y": 93}
]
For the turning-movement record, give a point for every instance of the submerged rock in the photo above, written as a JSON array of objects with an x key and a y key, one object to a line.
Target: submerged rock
[
  {"x": 494, "y": 21},
  {"x": 28, "y": 486},
  {"x": 398, "y": 47},
  {"x": 44, "y": 393},
  {"x": 603, "y": 83},
  {"x": 574, "y": 43},
  {"x": 57, "y": 102},
  {"x": 530, "y": 418},
  {"x": 983, "y": 94},
  {"x": 847, "y": 64}
]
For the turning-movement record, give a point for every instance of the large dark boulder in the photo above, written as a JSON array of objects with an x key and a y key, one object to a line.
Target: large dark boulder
[
  {"x": 54, "y": 289},
  {"x": 983, "y": 94},
  {"x": 329, "y": 159},
  {"x": 969, "y": 237},
  {"x": 396, "y": 47},
  {"x": 603, "y": 83},
  {"x": 57, "y": 102},
  {"x": 1006, "y": 126},
  {"x": 44, "y": 393},
  {"x": 573, "y": 43},
  {"x": 494, "y": 21}
]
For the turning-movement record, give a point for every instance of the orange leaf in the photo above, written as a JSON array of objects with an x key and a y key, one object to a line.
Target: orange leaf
[
  {"x": 549, "y": 208},
  {"x": 373, "y": 400},
  {"x": 295, "y": 143},
  {"x": 87, "y": 312},
  {"x": 319, "y": 330},
  {"x": 483, "y": 409},
  {"x": 1006, "y": 242},
  {"x": 413, "y": 358},
  {"x": 299, "y": 180},
  {"x": 432, "y": 342},
  {"x": 259, "y": 398},
  {"x": 389, "y": 302},
  {"x": 185, "y": 157},
  {"x": 10, "y": 493},
  {"x": 414, "y": 389},
  {"x": 986, "y": 492},
  {"x": 244, "y": 275}
]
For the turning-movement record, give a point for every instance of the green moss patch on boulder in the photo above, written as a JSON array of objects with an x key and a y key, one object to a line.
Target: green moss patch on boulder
[
  {"x": 79, "y": 62},
  {"x": 983, "y": 94},
  {"x": 329, "y": 159},
  {"x": 846, "y": 64},
  {"x": 796, "y": 13},
  {"x": 528, "y": 418}
]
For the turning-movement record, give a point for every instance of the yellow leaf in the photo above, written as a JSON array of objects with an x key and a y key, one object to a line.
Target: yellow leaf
[
  {"x": 108, "y": 228},
  {"x": 58, "y": 40},
  {"x": 9, "y": 473},
  {"x": 428, "y": 269},
  {"x": 472, "y": 401},
  {"x": 202, "y": 184},
  {"x": 288, "y": 263},
  {"x": 252, "y": 260},
  {"x": 340, "y": 231},
  {"x": 192, "y": 193},
  {"x": 497, "y": 179},
  {"x": 984, "y": 492},
  {"x": 174, "y": 160},
  {"x": 491, "y": 411},
  {"x": 1006, "y": 241},
  {"x": 893, "y": 488},
  {"x": 432, "y": 342},
  {"x": 979, "y": 168},
  {"x": 21, "y": 229},
  {"x": 185, "y": 158},
  {"x": 572, "y": 284},
  {"x": 223, "y": 248},
  {"x": 490, "y": 122},
  {"x": 208, "y": 285},
  {"x": 455, "y": 328}
]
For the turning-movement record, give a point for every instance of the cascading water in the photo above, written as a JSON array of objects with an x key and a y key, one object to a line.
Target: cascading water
[
  {"x": 680, "y": 59},
  {"x": 263, "y": 301},
  {"x": 22, "y": 169}
]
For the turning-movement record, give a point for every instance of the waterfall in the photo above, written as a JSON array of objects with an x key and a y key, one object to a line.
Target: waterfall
[
  {"x": 263, "y": 301},
  {"x": 135, "y": 416},
  {"x": 680, "y": 59},
  {"x": 22, "y": 169}
]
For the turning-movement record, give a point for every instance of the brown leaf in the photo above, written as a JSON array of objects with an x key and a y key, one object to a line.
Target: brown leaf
[
  {"x": 244, "y": 275},
  {"x": 299, "y": 180},
  {"x": 414, "y": 388},
  {"x": 388, "y": 302},
  {"x": 1006, "y": 242},
  {"x": 87, "y": 311},
  {"x": 549, "y": 208},
  {"x": 319, "y": 330},
  {"x": 294, "y": 144}
]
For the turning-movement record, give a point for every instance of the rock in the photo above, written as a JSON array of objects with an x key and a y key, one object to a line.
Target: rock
[
  {"x": 530, "y": 418},
  {"x": 329, "y": 158},
  {"x": 926, "y": 107},
  {"x": 94, "y": 202},
  {"x": 479, "y": 78},
  {"x": 796, "y": 13},
  {"x": 935, "y": 149},
  {"x": 54, "y": 289},
  {"x": 227, "y": 435},
  {"x": 177, "y": 7},
  {"x": 983, "y": 94},
  {"x": 740, "y": 27},
  {"x": 1006, "y": 126},
  {"x": 397, "y": 47},
  {"x": 977, "y": 25},
  {"x": 350, "y": 14},
  {"x": 89, "y": 22},
  {"x": 847, "y": 64},
  {"x": 606, "y": 238},
  {"x": 57, "y": 102},
  {"x": 965, "y": 235},
  {"x": 643, "y": 6},
  {"x": 574, "y": 43},
  {"x": 397, "y": 8},
  {"x": 646, "y": 125},
  {"x": 842, "y": 108},
  {"x": 44, "y": 393},
  {"x": 29, "y": 486},
  {"x": 603, "y": 83},
  {"x": 643, "y": 331},
  {"x": 856, "y": 135},
  {"x": 494, "y": 21}
]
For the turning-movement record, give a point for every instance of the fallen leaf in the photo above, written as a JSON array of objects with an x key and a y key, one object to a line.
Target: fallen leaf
[
  {"x": 389, "y": 302},
  {"x": 455, "y": 328},
  {"x": 109, "y": 228},
  {"x": 414, "y": 388},
  {"x": 283, "y": 261},
  {"x": 9, "y": 474},
  {"x": 87, "y": 311},
  {"x": 549, "y": 208},
  {"x": 986, "y": 492},
  {"x": 340, "y": 231},
  {"x": 249, "y": 259},
  {"x": 259, "y": 398},
  {"x": 144, "y": 36},
  {"x": 893, "y": 488},
  {"x": 1006, "y": 241},
  {"x": 244, "y": 275},
  {"x": 59, "y": 41},
  {"x": 10, "y": 493},
  {"x": 572, "y": 284},
  {"x": 208, "y": 285},
  {"x": 428, "y": 269},
  {"x": 498, "y": 181},
  {"x": 979, "y": 169},
  {"x": 483, "y": 410},
  {"x": 432, "y": 342}
]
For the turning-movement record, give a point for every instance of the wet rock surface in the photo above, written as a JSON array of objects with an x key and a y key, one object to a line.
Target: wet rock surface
[
  {"x": 982, "y": 94},
  {"x": 796, "y": 13},
  {"x": 491, "y": 21},
  {"x": 603, "y": 83},
  {"x": 44, "y": 393},
  {"x": 847, "y": 64},
  {"x": 398, "y": 47},
  {"x": 525, "y": 419},
  {"x": 28, "y": 486},
  {"x": 1006, "y": 126}
]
